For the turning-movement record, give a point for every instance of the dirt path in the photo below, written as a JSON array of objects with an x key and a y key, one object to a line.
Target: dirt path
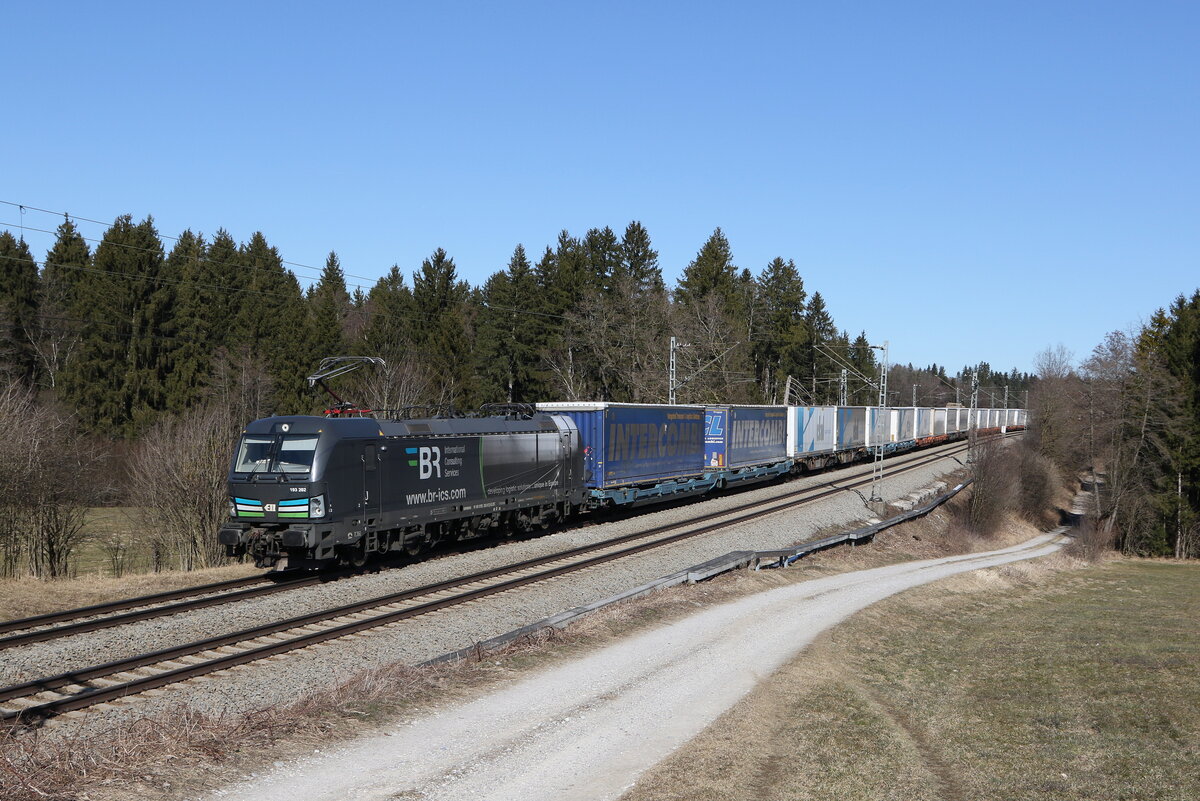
[{"x": 588, "y": 728}]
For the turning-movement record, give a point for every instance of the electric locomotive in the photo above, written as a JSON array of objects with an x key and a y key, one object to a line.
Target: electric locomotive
[{"x": 310, "y": 491}]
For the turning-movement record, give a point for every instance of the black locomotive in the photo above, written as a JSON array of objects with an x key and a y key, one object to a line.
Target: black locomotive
[{"x": 313, "y": 490}]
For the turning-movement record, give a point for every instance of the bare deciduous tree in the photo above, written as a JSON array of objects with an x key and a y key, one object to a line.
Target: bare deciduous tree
[
  {"x": 715, "y": 365},
  {"x": 993, "y": 490},
  {"x": 177, "y": 476},
  {"x": 622, "y": 335},
  {"x": 403, "y": 381},
  {"x": 51, "y": 476}
]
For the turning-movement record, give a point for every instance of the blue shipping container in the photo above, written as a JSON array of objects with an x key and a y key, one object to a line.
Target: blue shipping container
[
  {"x": 627, "y": 443},
  {"x": 744, "y": 436}
]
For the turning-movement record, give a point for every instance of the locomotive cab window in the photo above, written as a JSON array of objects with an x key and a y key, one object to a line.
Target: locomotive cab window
[
  {"x": 275, "y": 454},
  {"x": 296, "y": 454},
  {"x": 254, "y": 455}
]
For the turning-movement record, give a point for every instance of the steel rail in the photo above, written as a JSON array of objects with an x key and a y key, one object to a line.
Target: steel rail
[
  {"x": 128, "y": 603},
  {"x": 95, "y": 624},
  {"x": 684, "y": 530}
]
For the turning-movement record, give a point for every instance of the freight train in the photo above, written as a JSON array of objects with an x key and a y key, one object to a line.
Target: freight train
[{"x": 306, "y": 491}]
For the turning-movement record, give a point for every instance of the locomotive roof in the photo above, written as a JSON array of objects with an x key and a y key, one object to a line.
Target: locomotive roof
[{"x": 367, "y": 427}]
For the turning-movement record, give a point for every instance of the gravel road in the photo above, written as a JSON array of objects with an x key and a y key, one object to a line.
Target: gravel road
[
  {"x": 253, "y": 687},
  {"x": 586, "y": 729}
]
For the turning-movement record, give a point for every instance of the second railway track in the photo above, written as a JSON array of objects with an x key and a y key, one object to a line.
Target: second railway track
[{"x": 54, "y": 695}]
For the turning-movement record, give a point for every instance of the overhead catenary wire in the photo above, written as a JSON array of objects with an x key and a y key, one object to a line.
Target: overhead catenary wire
[
  {"x": 318, "y": 270},
  {"x": 70, "y": 216}
]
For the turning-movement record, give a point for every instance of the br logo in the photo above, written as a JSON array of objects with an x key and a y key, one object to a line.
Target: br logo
[{"x": 428, "y": 461}]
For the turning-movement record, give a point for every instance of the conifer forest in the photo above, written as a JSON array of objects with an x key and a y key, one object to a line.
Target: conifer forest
[{"x": 131, "y": 358}]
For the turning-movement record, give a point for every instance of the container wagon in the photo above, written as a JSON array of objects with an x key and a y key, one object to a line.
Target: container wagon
[
  {"x": 812, "y": 436},
  {"x": 851, "y": 432},
  {"x": 638, "y": 453},
  {"x": 746, "y": 443}
]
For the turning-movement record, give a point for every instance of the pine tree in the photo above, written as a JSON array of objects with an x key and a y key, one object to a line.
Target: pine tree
[{"x": 18, "y": 310}]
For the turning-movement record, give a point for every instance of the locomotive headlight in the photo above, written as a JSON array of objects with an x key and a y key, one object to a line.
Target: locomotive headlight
[
  {"x": 316, "y": 506},
  {"x": 232, "y": 509}
]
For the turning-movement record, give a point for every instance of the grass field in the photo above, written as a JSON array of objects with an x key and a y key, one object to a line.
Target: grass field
[{"x": 1016, "y": 683}]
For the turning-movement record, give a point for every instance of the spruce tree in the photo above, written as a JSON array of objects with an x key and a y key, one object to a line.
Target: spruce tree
[
  {"x": 275, "y": 320},
  {"x": 862, "y": 359},
  {"x": 780, "y": 334},
  {"x": 196, "y": 326},
  {"x": 439, "y": 299},
  {"x": 225, "y": 269},
  {"x": 712, "y": 272},
  {"x": 506, "y": 335},
  {"x": 602, "y": 254},
  {"x": 66, "y": 265},
  {"x": 116, "y": 376},
  {"x": 639, "y": 260},
  {"x": 18, "y": 310},
  {"x": 330, "y": 305},
  {"x": 821, "y": 371},
  {"x": 389, "y": 315}
]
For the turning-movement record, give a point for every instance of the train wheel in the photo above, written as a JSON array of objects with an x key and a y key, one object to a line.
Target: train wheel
[{"x": 357, "y": 555}]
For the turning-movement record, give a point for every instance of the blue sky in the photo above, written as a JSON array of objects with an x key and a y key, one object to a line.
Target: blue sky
[{"x": 966, "y": 180}]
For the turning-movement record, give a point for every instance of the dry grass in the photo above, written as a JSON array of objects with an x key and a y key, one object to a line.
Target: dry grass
[
  {"x": 177, "y": 754},
  {"x": 1020, "y": 682},
  {"x": 1091, "y": 543},
  {"x": 27, "y": 597},
  {"x": 157, "y": 758}
]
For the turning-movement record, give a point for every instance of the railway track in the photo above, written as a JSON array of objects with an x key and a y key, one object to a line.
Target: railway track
[
  {"x": 53, "y": 625},
  {"x": 146, "y": 607},
  {"x": 92, "y": 686}
]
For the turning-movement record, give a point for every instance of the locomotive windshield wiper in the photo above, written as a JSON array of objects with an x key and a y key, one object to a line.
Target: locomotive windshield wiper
[{"x": 270, "y": 457}]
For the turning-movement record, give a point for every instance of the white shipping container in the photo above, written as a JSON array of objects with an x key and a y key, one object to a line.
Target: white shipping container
[
  {"x": 811, "y": 430},
  {"x": 879, "y": 425},
  {"x": 903, "y": 420},
  {"x": 925, "y": 423}
]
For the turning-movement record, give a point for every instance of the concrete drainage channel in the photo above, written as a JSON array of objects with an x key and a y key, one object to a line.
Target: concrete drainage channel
[{"x": 735, "y": 560}]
